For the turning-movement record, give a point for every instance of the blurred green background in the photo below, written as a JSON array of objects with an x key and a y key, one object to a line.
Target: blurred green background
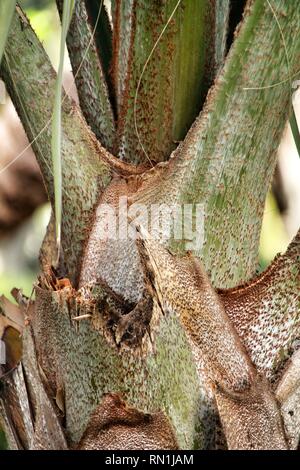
[{"x": 18, "y": 253}]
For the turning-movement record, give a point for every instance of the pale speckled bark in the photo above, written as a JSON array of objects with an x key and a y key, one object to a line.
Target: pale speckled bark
[
  {"x": 249, "y": 413},
  {"x": 192, "y": 162},
  {"x": 21, "y": 185},
  {"x": 222, "y": 9},
  {"x": 91, "y": 85},
  {"x": 265, "y": 314},
  {"x": 86, "y": 165},
  {"x": 115, "y": 426},
  {"x": 28, "y": 415}
]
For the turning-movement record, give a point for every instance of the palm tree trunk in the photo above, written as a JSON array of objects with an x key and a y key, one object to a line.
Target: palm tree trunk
[{"x": 109, "y": 347}]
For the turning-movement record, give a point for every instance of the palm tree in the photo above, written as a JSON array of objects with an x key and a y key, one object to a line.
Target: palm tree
[{"x": 130, "y": 342}]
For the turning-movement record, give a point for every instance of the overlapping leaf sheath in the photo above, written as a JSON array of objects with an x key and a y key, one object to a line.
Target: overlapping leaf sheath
[
  {"x": 165, "y": 57},
  {"x": 90, "y": 78}
]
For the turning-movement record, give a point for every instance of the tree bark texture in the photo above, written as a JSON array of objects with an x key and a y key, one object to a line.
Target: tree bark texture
[{"x": 127, "y": 343}]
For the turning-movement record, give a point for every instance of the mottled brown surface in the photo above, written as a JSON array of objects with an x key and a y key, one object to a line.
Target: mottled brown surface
[
  {"x": 11, "y": 325},
  {"x": 21, "y": 185}
]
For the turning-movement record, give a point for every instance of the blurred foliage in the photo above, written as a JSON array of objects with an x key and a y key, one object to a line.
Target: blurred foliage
[
  {"x": 35, "y": 4},
  {"x": 274, "y": 238}
]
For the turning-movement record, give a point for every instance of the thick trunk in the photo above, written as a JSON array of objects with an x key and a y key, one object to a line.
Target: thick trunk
[
  {"x": 21, "y": 185},
  {"x": 158, "y": 99},
  {"x": 113, "y": 345}
]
